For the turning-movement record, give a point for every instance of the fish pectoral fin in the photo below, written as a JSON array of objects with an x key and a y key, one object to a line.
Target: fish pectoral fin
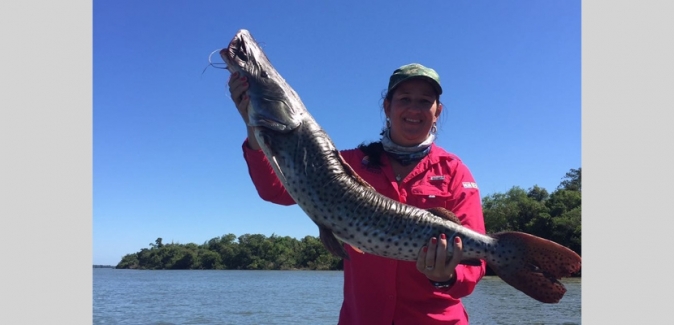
[
  {"x": 349, "y": 171},
  {"x": 357, "y": 249},
  {"x": 445, "y": 214},
  {"x": 331, "y": 243},
  {"x": 275, "y": 166}
]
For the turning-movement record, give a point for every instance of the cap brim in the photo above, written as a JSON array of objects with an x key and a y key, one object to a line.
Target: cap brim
[{"x": 436, "y": 86}]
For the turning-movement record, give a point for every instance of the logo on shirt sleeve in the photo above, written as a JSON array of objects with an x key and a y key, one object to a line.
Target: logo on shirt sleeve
[{"x": 469, "y": 185}]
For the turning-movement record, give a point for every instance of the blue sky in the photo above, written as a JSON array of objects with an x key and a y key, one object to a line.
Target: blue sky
[{"x": 167, "y": 158}]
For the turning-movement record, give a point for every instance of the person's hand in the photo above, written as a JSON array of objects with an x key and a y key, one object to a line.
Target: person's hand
[
  {"x": 237, "y": 90},
  {"x": 432, "y": 259}
]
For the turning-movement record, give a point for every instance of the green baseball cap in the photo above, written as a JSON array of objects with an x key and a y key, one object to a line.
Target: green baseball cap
[{"x": 414, "y": 70}]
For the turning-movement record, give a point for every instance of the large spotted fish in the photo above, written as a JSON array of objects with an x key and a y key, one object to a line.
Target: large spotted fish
[{"x": 348, "y": 210}]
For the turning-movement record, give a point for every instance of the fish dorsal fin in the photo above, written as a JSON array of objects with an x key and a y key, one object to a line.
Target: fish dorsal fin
[
  {"x": 445, "y": 214},
  {"x": 349, "y": 171}
]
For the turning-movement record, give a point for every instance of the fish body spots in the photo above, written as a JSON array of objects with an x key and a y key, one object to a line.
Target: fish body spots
[{"x": 317, "y": 180}]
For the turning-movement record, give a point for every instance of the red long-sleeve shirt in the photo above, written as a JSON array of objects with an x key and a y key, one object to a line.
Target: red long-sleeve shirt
[{"x": 385, "y": 291}]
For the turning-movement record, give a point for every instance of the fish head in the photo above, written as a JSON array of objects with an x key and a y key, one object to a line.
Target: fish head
[{"x": 273, "y": 103}]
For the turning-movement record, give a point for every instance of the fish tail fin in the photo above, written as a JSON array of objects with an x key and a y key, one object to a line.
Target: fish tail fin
[{"x": 533, "y": 265}]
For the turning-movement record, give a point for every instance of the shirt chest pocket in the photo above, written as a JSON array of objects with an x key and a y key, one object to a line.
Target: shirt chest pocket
[{"x": 430, "y": 194}]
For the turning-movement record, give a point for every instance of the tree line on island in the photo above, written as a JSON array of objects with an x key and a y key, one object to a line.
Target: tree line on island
[{"x": 555, "y": 216}]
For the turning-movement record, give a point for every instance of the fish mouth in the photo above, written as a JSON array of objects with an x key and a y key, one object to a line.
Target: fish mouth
[
  {"x": 237, "y": 53},
  {"x": 273, "y": 103},
  {"x": 244, "y": 55},
  {"x": 237, "y": 49}
]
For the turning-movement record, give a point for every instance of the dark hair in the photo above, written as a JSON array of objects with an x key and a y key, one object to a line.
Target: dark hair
[{"x": 373, "y": 152}]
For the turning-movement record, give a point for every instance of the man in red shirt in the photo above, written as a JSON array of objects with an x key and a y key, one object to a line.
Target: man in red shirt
[{"x": 407, "y": 166}]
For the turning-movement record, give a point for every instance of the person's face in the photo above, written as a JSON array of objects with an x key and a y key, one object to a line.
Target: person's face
[{"x": 412, "y": 111}]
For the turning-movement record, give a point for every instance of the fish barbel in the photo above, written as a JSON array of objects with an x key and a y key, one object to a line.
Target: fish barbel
[{"x": 347, "y": 209}]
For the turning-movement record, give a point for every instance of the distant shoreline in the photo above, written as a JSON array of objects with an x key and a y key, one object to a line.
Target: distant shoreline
[{"x": 488, "y": 273}]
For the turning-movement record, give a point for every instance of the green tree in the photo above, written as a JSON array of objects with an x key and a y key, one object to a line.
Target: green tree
[
  {"x": 538, "y": 193},
  {"x": 571, "y": 181},
  {"x": 517, "y": 210},
  {"x": 562, "y": 201},
  {"x": 251, "y": 255},
  {"x": 314, "y": 256},
  {"x": 157, "y": 243},
  {"x": 555, "y": 216},
  {"x": 567, "y": 229},
  {"x": 565, "y": 207},
  {"x": 284, "y": 251},
  {"x": 310, "y": 250},
  {"x": 499, "y": 211},
  {"x": 129, "y": 261},
  {"x": 210, "y": 260}
]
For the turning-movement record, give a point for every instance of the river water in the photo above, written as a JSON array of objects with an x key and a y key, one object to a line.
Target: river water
[{"x": 285, "y": 297}]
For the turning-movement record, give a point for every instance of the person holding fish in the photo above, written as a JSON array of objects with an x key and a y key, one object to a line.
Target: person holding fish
[{"x": 406, "y": 165}]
